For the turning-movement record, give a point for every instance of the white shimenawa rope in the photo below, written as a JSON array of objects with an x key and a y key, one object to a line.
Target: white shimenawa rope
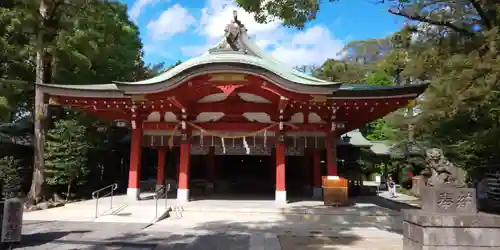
[
  {"x": 245, "y": 145},
  {"x": 223, "y": 145}
]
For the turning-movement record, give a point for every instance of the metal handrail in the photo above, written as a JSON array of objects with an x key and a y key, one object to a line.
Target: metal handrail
[
  {"x": 95, "y": 195},
  {"x": 163, "y": 190}
]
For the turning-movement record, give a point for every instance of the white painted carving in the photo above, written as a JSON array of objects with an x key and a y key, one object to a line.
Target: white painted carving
[
  {"x": 315, "y": 118},
  {"x": 248, "y": 97},
  {"x": 169, "y": 117},
  {"x": 297, "y": 118},
  {"x": 258, "y": 117},
  {"x": 209, "y": 116},
  {"x": 154, "y": 117},
  {"x": 213, "y": 98}
]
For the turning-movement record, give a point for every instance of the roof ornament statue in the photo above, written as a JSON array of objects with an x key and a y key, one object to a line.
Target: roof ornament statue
[{"x": 232, "y": 34}]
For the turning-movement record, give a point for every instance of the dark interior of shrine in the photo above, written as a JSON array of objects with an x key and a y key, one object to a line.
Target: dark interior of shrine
[{"x": 243, "y": 176}]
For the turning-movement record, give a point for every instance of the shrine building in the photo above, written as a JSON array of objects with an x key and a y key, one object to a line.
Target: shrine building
[{"x": 235, "y": 116}]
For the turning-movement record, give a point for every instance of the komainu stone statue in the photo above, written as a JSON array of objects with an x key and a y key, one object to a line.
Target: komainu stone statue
[{"x": 443, "y": 172}]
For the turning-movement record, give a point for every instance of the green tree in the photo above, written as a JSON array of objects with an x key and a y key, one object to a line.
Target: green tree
[
  {"x": 11, "y": 173},
  {"x": 293, "y": 13},
  {"x": 366, "y": 51},
  {"x": 67, "y": 42},
  {"x": 379, "y": 78},
  {"x": 340, "y": 71},
  {"x": 465, "y": 17},
  {"x": 66, "y": 154}
]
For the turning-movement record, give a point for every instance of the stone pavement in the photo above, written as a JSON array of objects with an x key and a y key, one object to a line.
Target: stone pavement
[
  {"x": 373, "y": 223},
  {"x": 214, "y": 232},
  {"x": 401, "y": 198}
]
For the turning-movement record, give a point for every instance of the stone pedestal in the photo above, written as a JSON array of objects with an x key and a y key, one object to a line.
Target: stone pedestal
[
  {"x": 11, "y": 222},
  {"x": 449, "y": 220}
]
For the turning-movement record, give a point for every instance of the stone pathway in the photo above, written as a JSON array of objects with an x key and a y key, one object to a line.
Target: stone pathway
[
  {"x": 320, "y": 243},
  {"x": 45, "y": 235},
  {"x": 374, "y": 224}
]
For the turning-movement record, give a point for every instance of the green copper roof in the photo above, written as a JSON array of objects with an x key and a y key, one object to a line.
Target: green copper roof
[{"x": 287, "y": 73}]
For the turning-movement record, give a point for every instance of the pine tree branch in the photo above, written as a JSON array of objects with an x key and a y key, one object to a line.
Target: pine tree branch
[
  {"x": 433, "y": 22},
  {"x": 479, "y": 9}
]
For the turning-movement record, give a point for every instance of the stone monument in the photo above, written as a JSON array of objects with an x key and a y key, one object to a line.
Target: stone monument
[
  {"x": 11, "y": 221},
  {"x": 449, "y": 219}
]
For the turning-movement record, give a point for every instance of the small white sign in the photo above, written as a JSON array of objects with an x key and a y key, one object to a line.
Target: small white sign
[
  {"x": 378, "y": 179},
  {"x": 335, "y": 178}
]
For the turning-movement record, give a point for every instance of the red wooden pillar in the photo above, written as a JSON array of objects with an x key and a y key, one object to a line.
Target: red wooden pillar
[
  {"x": 316, "y": 160},
  {"x": 160, "y": 173},
  {"x": 183, "y": 188},
  {"x": 280, "y": 170},
  {"x": 331, "y": 155},
  {"x": 134, "y": 173}
]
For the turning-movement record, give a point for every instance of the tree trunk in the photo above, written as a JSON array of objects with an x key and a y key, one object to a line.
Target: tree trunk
[{"x": 45, "y": 37}]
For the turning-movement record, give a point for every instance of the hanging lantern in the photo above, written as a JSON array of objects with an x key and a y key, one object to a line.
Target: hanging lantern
[
  {"x": 346, "y": 138},
  {"x": 121, "y": 123}
]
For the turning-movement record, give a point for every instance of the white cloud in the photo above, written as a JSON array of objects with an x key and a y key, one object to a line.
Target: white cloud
[
  {"x": 218, "y": 13},
  {"x": 138, "y": 6},
  {"x": 175, "y": 19},
  {"x": 309, "y": 47}
]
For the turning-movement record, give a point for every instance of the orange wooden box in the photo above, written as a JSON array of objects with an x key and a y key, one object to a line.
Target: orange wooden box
[
  {"x": 335, "y": 190},
  {"x": 332, "y": 183}
]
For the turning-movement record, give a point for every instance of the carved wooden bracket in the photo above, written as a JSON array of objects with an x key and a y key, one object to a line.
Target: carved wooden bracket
[{"x": 228, "y": 88}]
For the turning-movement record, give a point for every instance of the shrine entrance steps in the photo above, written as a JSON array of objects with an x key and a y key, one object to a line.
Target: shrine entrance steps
[
  {"x": 118, "y": 209},
  {"x": 365, "y": 213}
]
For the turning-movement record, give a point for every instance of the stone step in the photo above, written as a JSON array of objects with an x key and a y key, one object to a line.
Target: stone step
[
  {"x": 385, "y": 222},
  {"x": 371, "y": 211},
  {"x": 311, "y": 229}
]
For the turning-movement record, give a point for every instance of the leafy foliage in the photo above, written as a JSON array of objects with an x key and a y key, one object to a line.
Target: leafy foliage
[
  {"x": 11, "y": 173},
  {"x": 80, "y": 42},
  {"x": 294, "y": 13},
  {"x": 66, "y": 154},
  {"x": 340, "y": 71},
  {"x": 454, "y": 46}
]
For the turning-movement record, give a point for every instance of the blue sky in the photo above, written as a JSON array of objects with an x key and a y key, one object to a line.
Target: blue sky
[{"x": 177, "y": 30}]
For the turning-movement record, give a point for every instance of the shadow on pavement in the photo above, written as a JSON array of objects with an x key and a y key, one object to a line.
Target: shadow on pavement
[
  {"x": 46, "y": 237},
  {"x": 391, "y": 204}
]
